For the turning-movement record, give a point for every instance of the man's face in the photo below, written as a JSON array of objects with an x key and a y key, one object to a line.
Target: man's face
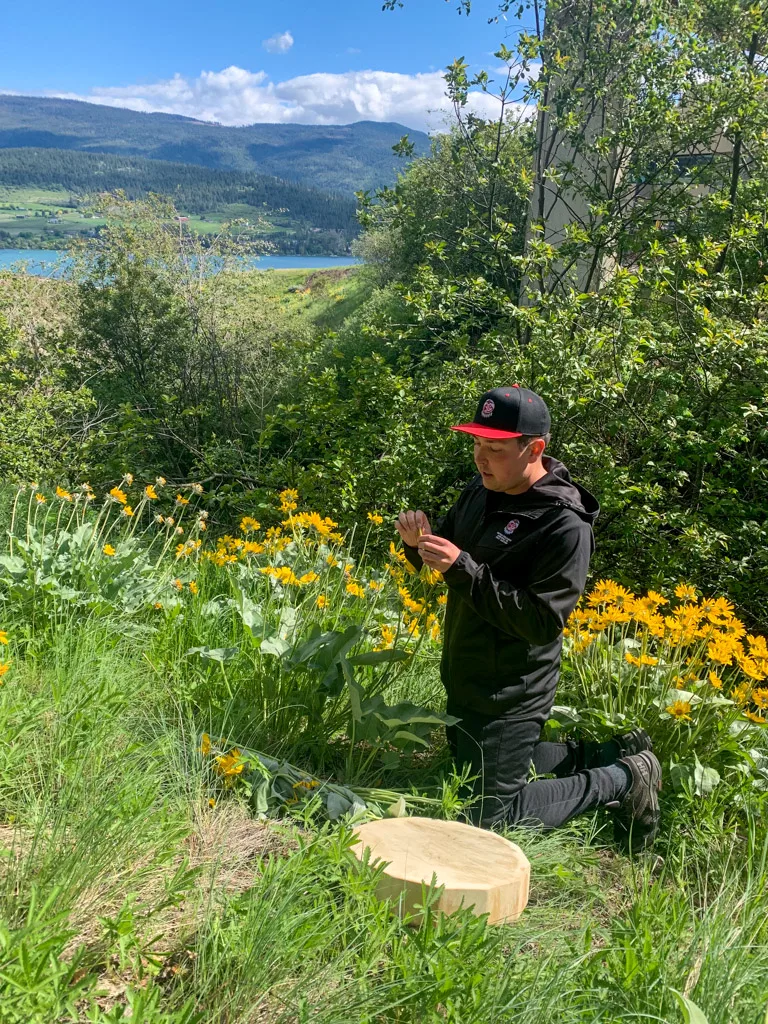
[{"x": 503, "y": 464}]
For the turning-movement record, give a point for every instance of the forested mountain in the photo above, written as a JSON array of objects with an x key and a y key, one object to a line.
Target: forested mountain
[
  {"x": 193, "y": 189},
  {"x": 341, "y": 158}
]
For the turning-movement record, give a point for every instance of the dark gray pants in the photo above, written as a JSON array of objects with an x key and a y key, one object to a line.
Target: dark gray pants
[{"x": 501, "y": 750}]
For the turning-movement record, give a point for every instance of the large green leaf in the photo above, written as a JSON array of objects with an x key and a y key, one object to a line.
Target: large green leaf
[
  {"x": 692, "y": 1014},
  {"x": 379, "y": 657},
  {"x": 220, "y": 654},
  {"x": 275, "y": 645},
  {"x": 700, "y": 780},
  {"x": 250, "y": 612}
]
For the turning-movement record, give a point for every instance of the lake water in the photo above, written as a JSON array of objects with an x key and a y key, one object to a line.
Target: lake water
[{"x": 53, "y": 263}]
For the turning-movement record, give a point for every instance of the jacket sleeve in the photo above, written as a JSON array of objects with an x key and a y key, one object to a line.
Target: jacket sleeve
[
  {"x": 443, "y": 529},
  {"x": 538, "y": 611}
]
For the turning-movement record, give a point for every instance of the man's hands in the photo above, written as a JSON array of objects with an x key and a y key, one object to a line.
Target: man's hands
[
  {"x": 437, "y": 552},
  {"x": 415, "y": 531},
  {"x": 411, "y": 525}
]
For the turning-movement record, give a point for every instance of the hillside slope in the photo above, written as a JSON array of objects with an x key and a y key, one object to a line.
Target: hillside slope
[{"x": 338, "y": 158}]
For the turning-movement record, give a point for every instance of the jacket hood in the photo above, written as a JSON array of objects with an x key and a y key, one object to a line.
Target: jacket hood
[{"x": 557, "y": 488}]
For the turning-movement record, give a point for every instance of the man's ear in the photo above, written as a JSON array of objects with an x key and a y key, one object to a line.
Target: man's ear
[{"x": 536, "y": 449}]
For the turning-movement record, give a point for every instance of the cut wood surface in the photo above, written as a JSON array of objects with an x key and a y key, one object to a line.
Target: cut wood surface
[{"x": 477, "y": 869}]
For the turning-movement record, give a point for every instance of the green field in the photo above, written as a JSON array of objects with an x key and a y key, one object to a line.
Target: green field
[{"x": 42, "y": 213}]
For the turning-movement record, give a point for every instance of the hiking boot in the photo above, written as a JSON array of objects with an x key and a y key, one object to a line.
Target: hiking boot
[
  {"x": 633, "y": 742},
  {"x": 637, "y": 817}
]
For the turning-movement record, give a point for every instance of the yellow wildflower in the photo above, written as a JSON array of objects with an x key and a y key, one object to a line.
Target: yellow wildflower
[
  {"x": 211, "y": 802},
  {"x": 251, "y": 547},
  {"x": 754, "y": 717},
  {"x": 685, "y": 592},
  {"x": 336, "y": 538},
  {"x": 647, "y": 659},
  {"x": 119, "y": 496},
  {"x": 193, "y": 586},
  {"x": 158, "y": 604},
  {"x": 283, "y": 574},
  {"x": 160, "y": 481},
  {"x": 308, "y": 577},
  {"x": 715, "y": 680},
  {"x": 681, "y": 710},
  {"x": 333, "y": 562},
  {"x": 178, "y": 584},
  {"x": 757, "y": 647},
  {"x": 355, "y": 589},
  {"x": 288, "y": 499},
  {"x": 229, "y": 764},
  {"x": 604, "y": 591},
  {"x": 108, "y": 550},
  {"x": 127, "y": 510},
  {"x": 374, "y": 585},
  {"x": 751, "y": 668},
  {"x": 248, "y": 524},
  {"x": 721, "y": 650},
  {"x": 442, "y": 599},
  {"x": 40, "y": 499},
  {"x": 631, "y": 659},
  {"x": 760, "y": 697},
  {"x": 3, "y": 637},
  {"x": 150, "y": 492},
  {"x": 4, "y": 666},
  {"x": 322, "y": 601},
  {"x": 64, "y": 495},
  {"x": 205, "y": 744},
  {"x": 128, "y": 478},
  {"x": 388, "y": 637},
  {"x": 741, "y": 693},
  {"x": 375, "y": 518},
  {"x": 181, "y": 500},
  {"x": 197, "y": 488}
]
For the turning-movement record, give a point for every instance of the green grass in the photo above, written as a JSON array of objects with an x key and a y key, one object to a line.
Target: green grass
[{"x": 122, "y": 887}]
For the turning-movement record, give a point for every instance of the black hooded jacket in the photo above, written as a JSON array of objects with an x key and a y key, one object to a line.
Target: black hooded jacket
[{"x": 522, "y": 567}]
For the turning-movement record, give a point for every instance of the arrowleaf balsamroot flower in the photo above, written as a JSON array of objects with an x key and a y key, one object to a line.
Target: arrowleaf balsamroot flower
[
  {"x": 181, "y": 500},
  {"x": 119, "y": 496},
  {"x": 248, "y": 524},
  {"x": 681, "y": 710},
  {"x": 4, "y": 666},
  {"x": 150, "y": 492},
  {"x": 108, "y": 550},
  {"x": 40, "y": 499},
  {"x": 375, "y": 518},
  {"x": 64, "y": 495}
]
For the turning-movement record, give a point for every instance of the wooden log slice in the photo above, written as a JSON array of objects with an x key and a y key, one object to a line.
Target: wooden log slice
[{"x": 477, "y": 869}]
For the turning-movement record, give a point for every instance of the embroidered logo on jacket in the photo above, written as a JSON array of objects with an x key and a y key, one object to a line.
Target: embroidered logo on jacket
[
  {"x": 511, "y": 526},
  {"x": 488, "y": 408}
]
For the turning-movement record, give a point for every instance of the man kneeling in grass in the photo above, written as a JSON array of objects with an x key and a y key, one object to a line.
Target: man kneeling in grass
[{"x": 514, "y": 551}]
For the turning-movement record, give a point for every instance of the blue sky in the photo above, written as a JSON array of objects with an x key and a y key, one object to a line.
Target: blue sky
[{"x": 311, "y": 61}]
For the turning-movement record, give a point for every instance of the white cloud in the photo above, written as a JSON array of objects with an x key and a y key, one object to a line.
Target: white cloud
[
  {"x": 280, "y": 43},
  {"x": 235, "y": 96}
]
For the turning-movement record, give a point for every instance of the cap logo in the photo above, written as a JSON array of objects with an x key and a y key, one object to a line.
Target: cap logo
[
  {"x": 511, "y": 526},
  {"x": 488, "y": 408}
]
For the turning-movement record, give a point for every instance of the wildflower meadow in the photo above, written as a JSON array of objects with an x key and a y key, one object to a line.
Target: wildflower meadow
[{"x": 193, "y": 721}]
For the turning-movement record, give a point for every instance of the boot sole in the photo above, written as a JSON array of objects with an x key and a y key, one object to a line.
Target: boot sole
[{"x": 626, "y": 837}]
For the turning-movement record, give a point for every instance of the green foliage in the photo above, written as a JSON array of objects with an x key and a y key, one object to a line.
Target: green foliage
[{"x": 42, "y": 410}]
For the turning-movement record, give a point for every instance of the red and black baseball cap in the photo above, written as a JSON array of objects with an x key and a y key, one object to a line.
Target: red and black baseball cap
[{"x": 509, "y": 412}]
